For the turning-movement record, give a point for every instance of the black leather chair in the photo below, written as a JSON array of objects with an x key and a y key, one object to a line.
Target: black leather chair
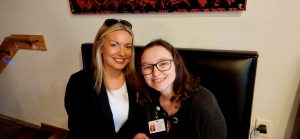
[{"x": 229, "y": 74}]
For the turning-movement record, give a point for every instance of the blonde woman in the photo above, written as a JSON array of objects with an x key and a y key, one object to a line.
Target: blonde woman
[{"x": 100, "y": 101}]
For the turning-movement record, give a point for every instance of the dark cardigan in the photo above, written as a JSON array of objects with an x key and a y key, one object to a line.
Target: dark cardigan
[
  {"x": 89, "y": 113},
  {"x": 198, "y": 118}
]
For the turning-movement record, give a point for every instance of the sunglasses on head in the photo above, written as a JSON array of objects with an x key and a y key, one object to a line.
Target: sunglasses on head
[{"x": 110, "y": 22}]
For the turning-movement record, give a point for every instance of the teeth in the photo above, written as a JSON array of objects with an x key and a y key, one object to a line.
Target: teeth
[
  {"x": 158, "y": 80},
  {"x": 119, "y": 59}
]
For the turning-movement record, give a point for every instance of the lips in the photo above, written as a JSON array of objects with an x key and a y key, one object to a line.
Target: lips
[
  {"x": 158, "y": 83},
  {"x": 158, "y": 80},
  {"x": 120, "y": 60}
]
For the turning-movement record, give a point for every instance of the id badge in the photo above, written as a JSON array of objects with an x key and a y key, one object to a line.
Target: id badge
[{"x": 156, "y": 126}]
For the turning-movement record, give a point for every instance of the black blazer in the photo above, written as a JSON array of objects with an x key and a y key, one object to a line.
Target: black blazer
[{"x": 89, "y": 113}]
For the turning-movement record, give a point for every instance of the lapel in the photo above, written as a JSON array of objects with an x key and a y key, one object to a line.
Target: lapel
[
  {"x": 132, "y": 101},
  {"x": 103, "y": 100}
]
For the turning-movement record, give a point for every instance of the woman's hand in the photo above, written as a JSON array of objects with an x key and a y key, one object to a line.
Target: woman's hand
[{"x": 140, "y": 136}]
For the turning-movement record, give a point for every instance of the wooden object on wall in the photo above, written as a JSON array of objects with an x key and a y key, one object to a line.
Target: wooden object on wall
[{"x": 13, "y": 43}]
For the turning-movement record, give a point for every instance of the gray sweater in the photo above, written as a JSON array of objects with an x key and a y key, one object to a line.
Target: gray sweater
[{"x": 198, "y": 118}]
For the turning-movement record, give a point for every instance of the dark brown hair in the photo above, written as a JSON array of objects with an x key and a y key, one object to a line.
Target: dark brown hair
[{"x": 183, "y": 84}]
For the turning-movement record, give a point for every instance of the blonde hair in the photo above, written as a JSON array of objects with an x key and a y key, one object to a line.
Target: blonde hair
[{"x": 97, "y": 62}]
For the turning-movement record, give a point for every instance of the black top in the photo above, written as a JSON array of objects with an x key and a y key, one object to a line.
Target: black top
[
  {"x": 89, "y": 113},
  {"x": 198, "y": 118}
]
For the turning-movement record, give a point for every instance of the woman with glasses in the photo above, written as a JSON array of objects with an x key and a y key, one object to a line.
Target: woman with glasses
[
  {"x": 101, "y": 100},
  {"x": 173, "y": 101}
]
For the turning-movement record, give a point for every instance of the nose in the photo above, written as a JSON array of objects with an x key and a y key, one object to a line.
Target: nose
[
  {"x": 121, "y": 50},
  {"x": 155, "y": 71}
]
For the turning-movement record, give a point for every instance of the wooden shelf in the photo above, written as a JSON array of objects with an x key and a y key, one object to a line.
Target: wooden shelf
[{"x": 13, "y": 43}]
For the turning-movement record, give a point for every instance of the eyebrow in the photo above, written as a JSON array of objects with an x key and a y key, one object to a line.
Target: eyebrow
[{"x": 121, "y": 43}]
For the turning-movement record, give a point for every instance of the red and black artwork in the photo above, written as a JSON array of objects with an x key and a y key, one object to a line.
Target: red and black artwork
[{"x": 154, "y": 6}]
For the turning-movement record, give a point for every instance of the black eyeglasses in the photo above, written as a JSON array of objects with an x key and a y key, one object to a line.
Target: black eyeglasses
[
  {"x": 110, "y": 22},
  {"x": 164, "y": 65}
]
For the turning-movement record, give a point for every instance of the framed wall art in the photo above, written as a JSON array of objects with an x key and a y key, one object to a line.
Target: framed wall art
[{"x": 154, "y": 6}]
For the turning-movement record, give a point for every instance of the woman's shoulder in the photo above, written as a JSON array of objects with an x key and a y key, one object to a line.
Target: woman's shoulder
[
  {"x": 203, "y": 96},
  {"x": 82, "y": 73},
  {"x": 80, "y": 79},
  {"x": 82, "y": 76},
  {"x": 204, "y": 104},
  {"x": 202, "y": 91}
]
